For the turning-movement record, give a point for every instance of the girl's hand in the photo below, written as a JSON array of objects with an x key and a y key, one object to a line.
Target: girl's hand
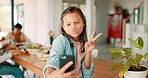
[
  {"x": 61, "y": 73},
  {"x": 91, "y": 44}
]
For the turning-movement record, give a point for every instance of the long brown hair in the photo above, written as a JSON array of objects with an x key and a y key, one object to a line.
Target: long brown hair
[{"x": 72, "y": 9}]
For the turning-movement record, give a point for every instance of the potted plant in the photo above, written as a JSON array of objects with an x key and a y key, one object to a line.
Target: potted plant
[{"x": 130, "y": 61}]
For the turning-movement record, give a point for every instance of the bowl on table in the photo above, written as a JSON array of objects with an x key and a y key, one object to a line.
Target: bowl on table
[
  {"x": 33, "y": 51},
  {"x": 46, "y": 48},
  {"x": 41, "y": 53}
]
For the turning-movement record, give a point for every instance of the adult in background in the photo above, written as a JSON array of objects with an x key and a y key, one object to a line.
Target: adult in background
[{"x": 17, "y": 36}]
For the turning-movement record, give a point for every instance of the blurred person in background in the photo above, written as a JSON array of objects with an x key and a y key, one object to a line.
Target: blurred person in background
[
  {"x": 51, "y": 35},
  {"x": 5, "y": 67},
  {"x": 17, "y": 36}
]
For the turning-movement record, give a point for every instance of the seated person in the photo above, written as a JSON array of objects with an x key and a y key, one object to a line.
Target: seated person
[
  {"x": 5, "y": 67},
  {"x": 17, "y": 36},
  {"x": 51, "y": 35}
]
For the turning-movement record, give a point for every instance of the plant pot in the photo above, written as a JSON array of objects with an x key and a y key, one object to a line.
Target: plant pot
[{"x": 135, "y": 74}]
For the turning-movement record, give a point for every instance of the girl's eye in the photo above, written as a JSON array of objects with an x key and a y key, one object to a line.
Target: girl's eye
[
  {"x": 77, "y": 22},
  {"x": 67, "y": 24}
]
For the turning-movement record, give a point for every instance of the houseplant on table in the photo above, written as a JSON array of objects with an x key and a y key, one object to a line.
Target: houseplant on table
[{"x": 130, "y": 61}]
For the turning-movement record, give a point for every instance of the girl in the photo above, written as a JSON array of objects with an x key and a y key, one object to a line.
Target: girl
[{"x": 72, "y": 41}]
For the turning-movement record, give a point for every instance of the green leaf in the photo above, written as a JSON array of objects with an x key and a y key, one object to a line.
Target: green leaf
[
  {"x": 127, "y": 50},
  {"x": 115, "y": 50},
  {"x": 138, "y": 58},
  {"x": 134, "y": 43},
  {"x": 122, "y": 71},
  {"x": 141, "y": 43},
  {"x": 129, "y": 62},
  {"x": 127, "y": 56},
  {"x": 145, "y": 56},
  {"x": 115, "y": 55},
  {"x": 114, "y": 67}
]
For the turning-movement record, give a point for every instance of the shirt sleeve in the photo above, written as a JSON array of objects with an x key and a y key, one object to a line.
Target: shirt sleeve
[
  {"x": 5, "y": 57},
  {"x": 56, "y": 51},
  {"x": 87, "y": 73}
]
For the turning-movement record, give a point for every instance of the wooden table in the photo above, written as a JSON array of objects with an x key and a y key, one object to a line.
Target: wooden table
[
  {"x": 102, "y": 69},
  {"x": 31, "y": 62},
  {"x": 36, "y": 65}
]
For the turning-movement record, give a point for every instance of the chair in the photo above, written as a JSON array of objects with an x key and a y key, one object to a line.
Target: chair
[{"x": 95, "y": 53}]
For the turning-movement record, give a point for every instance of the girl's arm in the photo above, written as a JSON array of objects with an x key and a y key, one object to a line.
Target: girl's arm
[{"x": 89, "y": 46}]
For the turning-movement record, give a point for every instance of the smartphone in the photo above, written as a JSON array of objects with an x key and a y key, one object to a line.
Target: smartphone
[{"x": 64, "y": 59}]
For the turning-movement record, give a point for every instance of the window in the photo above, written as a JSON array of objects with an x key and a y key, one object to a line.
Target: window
[{"x": 5, "y": 15}]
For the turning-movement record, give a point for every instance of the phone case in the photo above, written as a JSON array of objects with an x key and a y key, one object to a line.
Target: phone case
[{"x": 64, "y": 59}]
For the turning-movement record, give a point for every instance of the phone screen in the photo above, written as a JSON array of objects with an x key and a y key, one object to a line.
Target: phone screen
[{"x": 64, "y": 59}]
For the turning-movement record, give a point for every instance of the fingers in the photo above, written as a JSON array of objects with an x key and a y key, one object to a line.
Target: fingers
[
  {"x": 92, "y": 34},
  {"x": 65, "y": 67},
  {"x": 70, "y": 74},
  {"x": 97, "y": 36}
]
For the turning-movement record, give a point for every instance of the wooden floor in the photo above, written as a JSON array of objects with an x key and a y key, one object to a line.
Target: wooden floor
[{"x": 102, "y": 69}]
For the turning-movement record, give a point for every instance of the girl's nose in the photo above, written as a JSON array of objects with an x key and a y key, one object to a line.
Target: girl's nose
[{"x": 74, "y": 26}]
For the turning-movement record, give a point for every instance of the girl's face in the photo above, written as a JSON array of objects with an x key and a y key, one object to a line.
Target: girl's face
[{"x": 73, "y": 25}]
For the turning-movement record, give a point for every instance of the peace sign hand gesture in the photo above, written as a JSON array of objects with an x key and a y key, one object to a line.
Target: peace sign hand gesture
[{"x": 91, "y": 44}]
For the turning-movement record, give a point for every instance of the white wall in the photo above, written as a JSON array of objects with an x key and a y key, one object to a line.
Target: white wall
[
  {"x": 102, "y": 19},
  {"x": 36, "y": 20},
  {"x": 89, "y": 17},
  {"x": 41, "y": 16},
  {"x": 56, "y": 9},
  {"x": 30, "y": 12}
]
